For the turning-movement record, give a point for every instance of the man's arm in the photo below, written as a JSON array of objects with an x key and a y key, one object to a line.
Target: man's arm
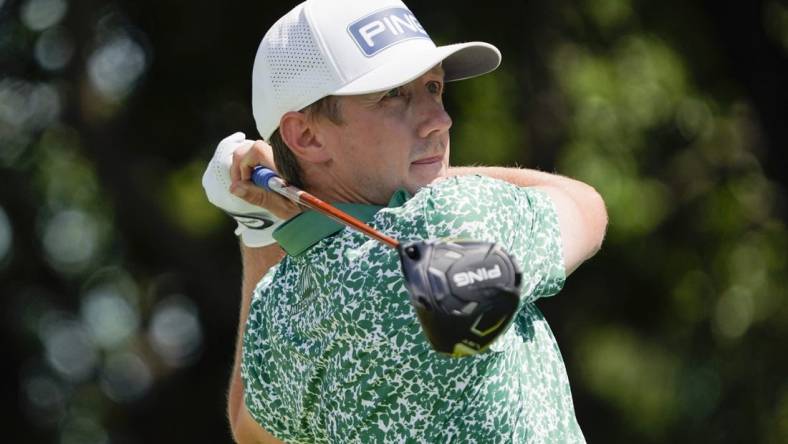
[
  {"x": 256, "y": 262},
  {"x": 582, "y": 216}
]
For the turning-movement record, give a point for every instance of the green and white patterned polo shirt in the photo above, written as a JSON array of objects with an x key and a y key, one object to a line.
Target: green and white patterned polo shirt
[{"x": 333, "y": 351}]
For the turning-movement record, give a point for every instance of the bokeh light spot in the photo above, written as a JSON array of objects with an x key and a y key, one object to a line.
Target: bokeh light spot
[
  {"x": 125, "y": 377},
  {"x": 71, "y": 240},
  {"x": 13, "y": 102},
  {"x": 28, "y": 106},
  {"x": 109, "y": 316},
  {"x": 53, "y": 49},
  {"x": 115, "y": 66},
  {"x": 733, "y": 313},
  {"x": 41, "y": 14},
  {"x": 68, "y": 348},
  {"x": 175, "y": 332}
]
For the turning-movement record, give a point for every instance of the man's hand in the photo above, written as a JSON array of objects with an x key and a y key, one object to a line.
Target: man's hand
[
  {"x": 257, "y": 211},
  {"x": 245, "y": 158}
]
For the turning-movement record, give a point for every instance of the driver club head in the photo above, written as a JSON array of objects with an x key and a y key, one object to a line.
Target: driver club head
[{"x": 465, "y": 293}]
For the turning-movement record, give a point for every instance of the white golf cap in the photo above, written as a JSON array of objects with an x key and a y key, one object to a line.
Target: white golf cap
[{"x": 348, "y": 47}]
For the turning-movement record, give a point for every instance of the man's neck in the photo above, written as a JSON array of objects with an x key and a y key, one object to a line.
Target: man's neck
[
  {"x": 331, "y": 189},
  {"x": 339, "y": 196}
]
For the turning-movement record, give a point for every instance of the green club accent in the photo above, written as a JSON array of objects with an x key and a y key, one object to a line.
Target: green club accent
[{"x": 461, "y": 350}]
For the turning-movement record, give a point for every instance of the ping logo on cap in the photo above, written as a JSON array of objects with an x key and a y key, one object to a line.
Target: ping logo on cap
[{"x": 382, "y": 29}]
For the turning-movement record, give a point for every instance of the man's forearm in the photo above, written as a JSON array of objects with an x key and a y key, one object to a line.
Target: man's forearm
[{"x": 256, "y": 262}]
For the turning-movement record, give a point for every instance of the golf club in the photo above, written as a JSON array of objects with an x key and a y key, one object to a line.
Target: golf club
[{"x": 465, "y": 293}]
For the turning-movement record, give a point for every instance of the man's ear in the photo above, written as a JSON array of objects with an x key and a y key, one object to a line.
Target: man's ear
[{"x": 299, "y": 133}]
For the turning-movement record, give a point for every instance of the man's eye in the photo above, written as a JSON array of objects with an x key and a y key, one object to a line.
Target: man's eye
[
  {"x": 434, "y": 87},
  {"x": 392, "y": 93}
]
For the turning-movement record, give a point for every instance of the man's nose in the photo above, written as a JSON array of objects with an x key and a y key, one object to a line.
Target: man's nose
[{"x": 433, "y": 117}]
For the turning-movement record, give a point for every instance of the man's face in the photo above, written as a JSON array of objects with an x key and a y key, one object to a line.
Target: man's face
[{"x": 389, "y": 140}]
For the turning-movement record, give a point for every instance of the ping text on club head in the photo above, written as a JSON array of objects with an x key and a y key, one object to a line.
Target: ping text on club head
[{"x": 465, "y": 278}]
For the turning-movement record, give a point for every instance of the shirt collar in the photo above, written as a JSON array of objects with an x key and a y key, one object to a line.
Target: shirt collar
[{"x": 310, "y": 227}]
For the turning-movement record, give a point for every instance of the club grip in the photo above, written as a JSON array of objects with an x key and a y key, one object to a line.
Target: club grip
[{"x": 261, "y": 175}]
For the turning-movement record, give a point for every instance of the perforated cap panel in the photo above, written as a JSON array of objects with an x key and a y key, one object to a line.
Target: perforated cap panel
[
  {"x": 295, "y": 71},
  {"x": 296, "y": 63}
]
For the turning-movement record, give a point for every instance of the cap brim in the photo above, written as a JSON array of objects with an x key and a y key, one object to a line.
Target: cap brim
[{"x": 460, "y": 61}]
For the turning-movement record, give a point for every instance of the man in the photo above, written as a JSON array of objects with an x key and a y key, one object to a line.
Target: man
[{"x": 349, "y": 95}]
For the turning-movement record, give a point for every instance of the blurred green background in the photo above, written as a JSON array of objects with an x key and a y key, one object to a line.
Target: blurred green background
[{"x": 120, "y": 283}]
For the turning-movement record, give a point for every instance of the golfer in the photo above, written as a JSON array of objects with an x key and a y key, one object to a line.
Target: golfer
[{"x": 348, "y": 98}]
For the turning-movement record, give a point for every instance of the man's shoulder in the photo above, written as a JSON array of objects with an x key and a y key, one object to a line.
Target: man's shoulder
[
  {"x": 458, "y": 200},
  {"x": 457, "y": 204},
  {"x": 468, "y": 180},
  {"x": 469, "y": 190}
]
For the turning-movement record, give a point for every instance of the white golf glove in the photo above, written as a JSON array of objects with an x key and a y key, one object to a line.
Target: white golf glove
[{"x": 255, "y": 224}]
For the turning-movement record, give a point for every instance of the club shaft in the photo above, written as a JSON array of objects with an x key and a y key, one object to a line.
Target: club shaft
[{"x": 301, "y": 197}]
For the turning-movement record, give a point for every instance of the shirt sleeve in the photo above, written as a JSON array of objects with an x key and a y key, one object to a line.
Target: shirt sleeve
[{"x": 522, "y": 220}]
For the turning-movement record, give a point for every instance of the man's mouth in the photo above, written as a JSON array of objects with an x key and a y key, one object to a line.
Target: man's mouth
[{"x": 428, "y": 160}]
